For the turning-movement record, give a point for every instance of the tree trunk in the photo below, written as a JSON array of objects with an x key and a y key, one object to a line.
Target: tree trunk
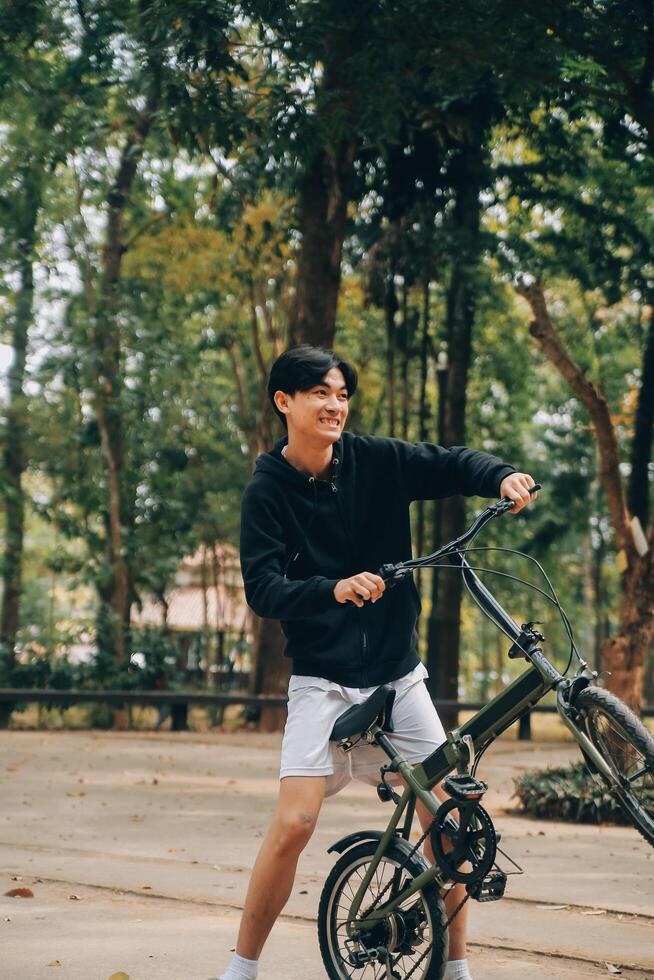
[
  {"x": 271, "y": 671},
  {"x": 108, "y": 389},
  {"x": 406, "y": 342},
  {"x": 623, "y": 656},
  {"x": 325, "y": 190},
  {"x": 390, "y": 309},
  {"x": 443, "y": 635},
  {"x": 324, "y": 196},
  {"x": 270, "y": 668},
  {"x": 641, "y": 446},
  {"x": 423, "y": 416},
  {"x": 16, "y": 415}
]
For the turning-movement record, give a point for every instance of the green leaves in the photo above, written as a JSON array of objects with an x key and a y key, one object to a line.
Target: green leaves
[{"x": 568, "y": 793}]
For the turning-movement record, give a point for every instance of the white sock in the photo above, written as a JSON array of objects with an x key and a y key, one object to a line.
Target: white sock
[
  {"x": 240, "y": 969},
  {"x": 457, "y": 970}
]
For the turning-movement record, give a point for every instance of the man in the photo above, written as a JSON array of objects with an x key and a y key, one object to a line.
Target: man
[{"x": 323, "y": 510}]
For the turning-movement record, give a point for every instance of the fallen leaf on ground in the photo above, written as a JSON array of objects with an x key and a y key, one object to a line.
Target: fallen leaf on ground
[
  {"x": 54, "y": 963},
  {"x": 74, "y": 898},
  {"x": 119, "y": 976},
  {"x": 146, "y": 887},
  {"x": 613, "y": 969},
  {"x": 20, "y": 893}
]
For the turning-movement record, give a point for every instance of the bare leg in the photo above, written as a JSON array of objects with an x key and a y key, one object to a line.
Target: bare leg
[
  {"x": 459, "y": 927},
  {"x": 300, "y": 799}
]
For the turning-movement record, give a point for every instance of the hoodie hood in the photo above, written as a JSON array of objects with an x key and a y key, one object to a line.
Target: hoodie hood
[{"x": 273, "y": 464}]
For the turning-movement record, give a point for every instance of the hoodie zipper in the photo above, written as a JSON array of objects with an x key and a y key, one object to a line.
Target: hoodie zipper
[{"x": 358, "y": 612}]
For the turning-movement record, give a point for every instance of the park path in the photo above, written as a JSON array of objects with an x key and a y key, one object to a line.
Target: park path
[{"x": 154, "y": 836}]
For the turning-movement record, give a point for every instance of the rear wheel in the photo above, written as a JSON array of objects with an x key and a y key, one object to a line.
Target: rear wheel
[
  {"x": 628, "y": 749},
  {"x": 411, "y": 941}
]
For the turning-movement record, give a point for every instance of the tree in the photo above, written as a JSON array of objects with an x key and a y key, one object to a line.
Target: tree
[
  {"x": 602, "y": 238},
  {"x": 167, "y": 46},
  {"x": 623, "y": 656},
  {"x": 35, "y": 112}
]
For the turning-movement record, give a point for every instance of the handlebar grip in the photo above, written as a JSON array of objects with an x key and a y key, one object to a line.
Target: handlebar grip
[{"x": 508, "y": 503}]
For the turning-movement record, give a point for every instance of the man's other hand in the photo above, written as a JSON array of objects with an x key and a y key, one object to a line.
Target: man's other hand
[
  {"x": 359, "y": 588},
  {"x": 516, "y": 487}
]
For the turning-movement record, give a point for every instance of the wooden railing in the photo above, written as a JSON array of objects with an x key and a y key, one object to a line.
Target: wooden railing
[{"x": 209, "y": 699}]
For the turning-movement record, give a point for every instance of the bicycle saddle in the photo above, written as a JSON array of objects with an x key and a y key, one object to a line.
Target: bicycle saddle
[{"x": 360, "y": 717}]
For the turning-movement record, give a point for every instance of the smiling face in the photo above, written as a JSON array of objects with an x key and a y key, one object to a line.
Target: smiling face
[{"x": 318, "y": 414}]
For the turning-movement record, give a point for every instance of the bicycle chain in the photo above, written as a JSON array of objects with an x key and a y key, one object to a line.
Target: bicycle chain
[
  {"x": 403, "y": 867},
  {"x": 447, "y": 926}
]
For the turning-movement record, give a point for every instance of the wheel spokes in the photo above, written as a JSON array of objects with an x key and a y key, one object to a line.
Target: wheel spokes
[
  {"x": 627, "y": 762},
  {"x": 412, "y": 913},
  {"x": 643, "y": 771}
]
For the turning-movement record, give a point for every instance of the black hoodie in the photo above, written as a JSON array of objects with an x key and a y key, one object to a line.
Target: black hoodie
[{"x": 301, "y": 535}]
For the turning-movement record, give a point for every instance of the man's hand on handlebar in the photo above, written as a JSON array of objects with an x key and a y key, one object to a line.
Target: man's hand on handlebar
[
  {"x": 516, "y": 488},
  {"x": 360, "y": 588}
]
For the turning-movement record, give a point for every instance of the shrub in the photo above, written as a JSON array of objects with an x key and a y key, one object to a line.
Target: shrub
[{"x": 568, "y": 793}]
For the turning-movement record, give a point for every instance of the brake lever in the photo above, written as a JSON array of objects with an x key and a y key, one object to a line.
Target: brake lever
[{"x": 391, "y": 574}]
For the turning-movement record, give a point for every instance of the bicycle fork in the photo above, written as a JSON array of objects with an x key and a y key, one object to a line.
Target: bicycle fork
[{"x": 568, "y": 713}]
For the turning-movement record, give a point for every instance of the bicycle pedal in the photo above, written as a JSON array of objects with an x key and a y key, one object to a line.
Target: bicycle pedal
[
  {"x": 489, "y": 889},
  {"x": 464, "y": 787}
]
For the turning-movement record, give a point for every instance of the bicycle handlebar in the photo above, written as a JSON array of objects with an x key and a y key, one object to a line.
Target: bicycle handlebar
[{"x": 393, "y": 573}]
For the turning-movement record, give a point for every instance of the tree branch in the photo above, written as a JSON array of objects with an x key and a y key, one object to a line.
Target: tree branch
[
  {"x": 243, "y": 406},
  {"x": 544, "y": 332},
  {"x": 144, "y": 228},
  {"x": 256, "y": 338}
]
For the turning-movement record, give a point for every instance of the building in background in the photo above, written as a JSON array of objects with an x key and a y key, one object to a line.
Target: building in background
[{"x": 205, "y": 611}]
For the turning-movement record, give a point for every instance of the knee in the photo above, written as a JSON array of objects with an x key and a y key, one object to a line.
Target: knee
[{"x": 292, "y": 830}]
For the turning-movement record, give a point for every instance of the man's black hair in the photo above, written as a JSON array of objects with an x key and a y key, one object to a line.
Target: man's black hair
[{"x": 303, "y": 367}]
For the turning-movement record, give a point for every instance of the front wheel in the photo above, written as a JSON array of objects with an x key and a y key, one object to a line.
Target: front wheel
[
  {"x": 627, "y": 748},
  {"x": 411, "y": 941}
]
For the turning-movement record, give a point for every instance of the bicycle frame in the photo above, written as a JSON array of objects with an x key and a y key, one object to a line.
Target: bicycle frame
[
  {"x": 419, "y": 780},
  {"x": 494, "y": 718}
]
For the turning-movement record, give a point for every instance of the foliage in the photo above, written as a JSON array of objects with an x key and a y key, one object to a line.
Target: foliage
[
  {"x": 155, "y": 665},
  {"x": 568, "y": 793},
  {"x": 39, "y": 670},
  {"x": 241, "y": 98}
]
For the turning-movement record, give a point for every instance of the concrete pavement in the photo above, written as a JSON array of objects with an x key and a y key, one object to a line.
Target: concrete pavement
[{"x": 137, "y": 847}]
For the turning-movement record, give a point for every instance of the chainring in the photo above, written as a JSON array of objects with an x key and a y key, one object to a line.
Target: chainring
[{"x": 468, "y": 836}]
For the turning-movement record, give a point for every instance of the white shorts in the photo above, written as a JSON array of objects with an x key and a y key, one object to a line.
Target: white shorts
[{"x": 314, "y": 704}]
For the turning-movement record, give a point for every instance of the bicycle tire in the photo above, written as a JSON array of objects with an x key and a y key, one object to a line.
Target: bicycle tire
[
  {"x": 425, "y": 904},
  {"x": 600, "y": 709}
]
